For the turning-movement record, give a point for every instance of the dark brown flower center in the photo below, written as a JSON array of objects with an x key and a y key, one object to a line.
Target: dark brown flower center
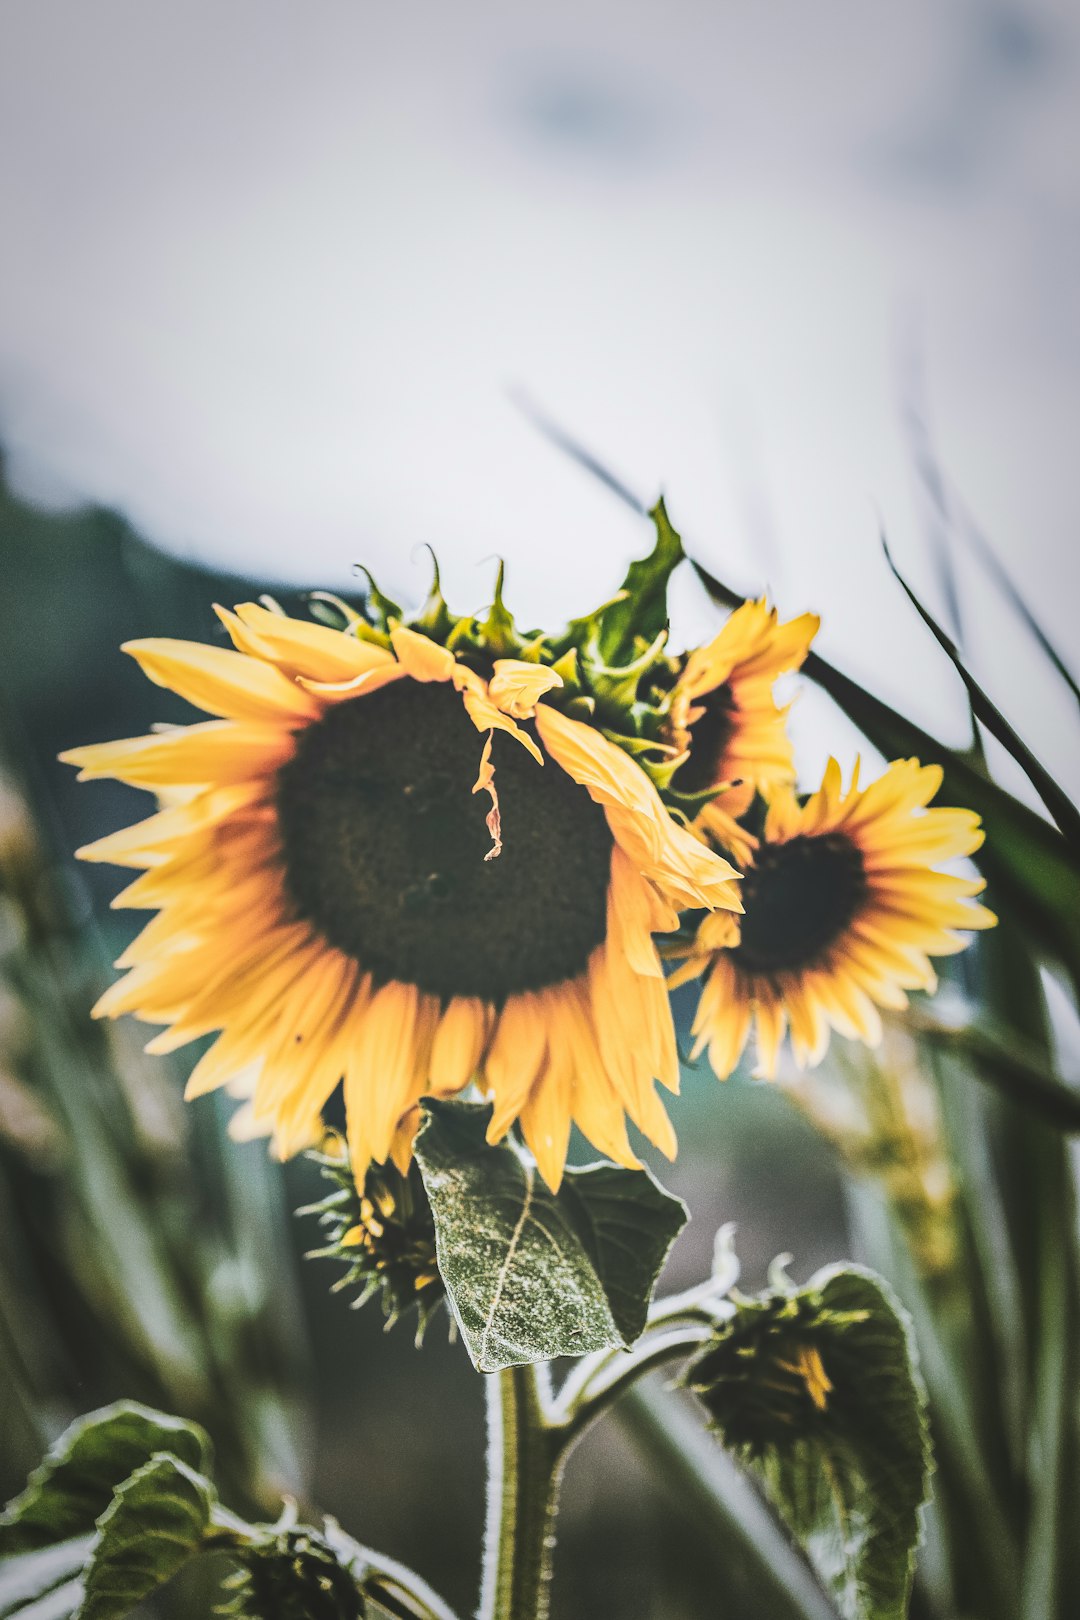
[
  {"x": 799, "y": 898},
  {"x": 709, "y": 738},
  {"x": 384, "y": 844}
]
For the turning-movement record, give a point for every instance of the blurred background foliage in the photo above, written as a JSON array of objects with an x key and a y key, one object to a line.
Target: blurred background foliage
[{"x": 144, "y": 1254}]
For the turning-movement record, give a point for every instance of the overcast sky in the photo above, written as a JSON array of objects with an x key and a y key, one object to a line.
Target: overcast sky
[{"x": 271, "y": 272}]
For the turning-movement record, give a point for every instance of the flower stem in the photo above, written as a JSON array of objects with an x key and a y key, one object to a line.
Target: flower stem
[{"x": 525, "y": 1458}]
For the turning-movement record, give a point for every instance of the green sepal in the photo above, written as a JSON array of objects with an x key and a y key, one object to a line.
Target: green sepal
[
  {"x": 817, "y": 1391},
  {"x": 384, "y": 1237},
  {"x": 531, "y": 1274},
  {"x": 379, "y": 610},
  {"x": 616, "y": 688},
  {"x": 333, "y": 610},
  {"x": 638, "y": 748},
  {"x": 499, "y": 633},
  {"x": 465, "y": 636},
  {"x": 642, "y": 611},
  {"x": 434, "y": 617},
  {"x": 658, "y": 761},
  {"x": 580, "y": 632},
  {"x": 690, "y": 805},
  {"x": 568, "y": 668}
]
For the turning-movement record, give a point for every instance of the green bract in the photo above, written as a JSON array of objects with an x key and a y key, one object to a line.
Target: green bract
[
  {"x": 613, "y": 662},
  {"x": 384, "y": 1236}
]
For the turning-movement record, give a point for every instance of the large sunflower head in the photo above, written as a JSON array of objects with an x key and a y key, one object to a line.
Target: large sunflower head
[
  {"x": 404, "y": 857},
  {"x": 844, "y": 908},
  {"x": 722, "y": 706}
]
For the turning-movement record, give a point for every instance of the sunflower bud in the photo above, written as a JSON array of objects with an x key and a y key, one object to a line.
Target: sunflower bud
[
  {"x": 383, "y": 1234},
  {"x": 765, "y": 1377},
  {"x": 293, "y": 1575}
]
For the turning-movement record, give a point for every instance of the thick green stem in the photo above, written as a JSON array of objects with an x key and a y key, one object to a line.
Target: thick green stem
[{"x": 525, "y": 1458}]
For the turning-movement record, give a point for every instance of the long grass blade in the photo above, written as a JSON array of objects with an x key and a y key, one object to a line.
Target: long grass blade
[{"x": 1055, "y": 799}]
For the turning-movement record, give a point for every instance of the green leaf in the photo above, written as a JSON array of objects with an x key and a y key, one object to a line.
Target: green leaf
[
  {"x": 155, "y": 1524},
  {"x": 532, "y": 1274},
  {"x": 46, "y": 1581},
  {"x": 74, "y": 1484},
  {"x": 637, "y": 618},
  {"x": 816, "y": 1390}
]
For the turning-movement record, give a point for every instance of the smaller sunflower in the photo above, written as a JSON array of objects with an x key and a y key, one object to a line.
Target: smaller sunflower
[
  {"x": 843, "y": 910},
  {"x": 722, "y": 705}
]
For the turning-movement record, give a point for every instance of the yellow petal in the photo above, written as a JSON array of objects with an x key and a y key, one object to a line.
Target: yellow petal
[
  {"x": 517, "y": 687},
  {"x": 225, "y": 683},
  {"x": 381, "y": 1067},
  {"x": 770, "y": 1020},
  {"x": 751, "y": 645},
  {"x": 421, "y": 657},
  {"x": 214, "y": 752},
  {"x": 546, "y": 1118},
  {"x": 150, "y": 842},
  {"x": 515, "y": 1059},
  {"x": 401, "y": 1148},
  {"x": 683, "y": 869},
  {"x": 299, "y": 647},
  {"x": 359, "y": 685},
  {"x": 484, "y": 714},
  {"x": 459, "y": 1044}
]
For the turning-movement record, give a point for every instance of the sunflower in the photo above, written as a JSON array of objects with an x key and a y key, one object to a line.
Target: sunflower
[
  {"x": 723, "y": 709},
  {"x": 335, "y": 902},
  {"x": 843, "y": 910}
]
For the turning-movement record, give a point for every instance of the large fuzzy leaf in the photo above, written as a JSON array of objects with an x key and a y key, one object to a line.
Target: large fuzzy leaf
[
  {"x": 531, "y": 1274},
  {"x": 74, "y": 1485}
]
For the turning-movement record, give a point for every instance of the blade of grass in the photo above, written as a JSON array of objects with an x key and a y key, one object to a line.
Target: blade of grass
[
  {"x": 974, "y": 537},
  {"x": 1056, "y": 801}
]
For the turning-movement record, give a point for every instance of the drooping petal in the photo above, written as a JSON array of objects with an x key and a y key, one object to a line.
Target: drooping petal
[
  {"x": 516, "y": 687},
  {"x": 685, "y": 871},
  {"x": 421, "y": 657}
]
